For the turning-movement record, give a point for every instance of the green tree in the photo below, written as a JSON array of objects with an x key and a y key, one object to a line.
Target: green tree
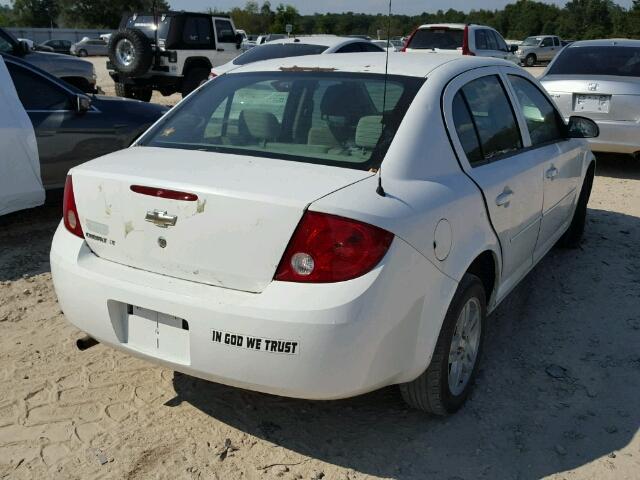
[
  {"x": 36, "y": 13},
  {"x": 103, "y": 13},
  {"x": 285, "y": 14}
]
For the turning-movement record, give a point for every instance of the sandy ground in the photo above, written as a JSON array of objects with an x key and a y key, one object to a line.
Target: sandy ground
[{"x": 558, "y": 394}]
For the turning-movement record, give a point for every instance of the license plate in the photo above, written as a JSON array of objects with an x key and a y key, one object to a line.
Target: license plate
[
  {"x": 157, "y": 334},
  {"x": 592, "y": 103}
]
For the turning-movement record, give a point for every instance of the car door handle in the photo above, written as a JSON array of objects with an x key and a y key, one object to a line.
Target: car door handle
[
  {"x": 504, "y": 198},
  {"x": 220, "y": 49},
  {"x": 551, "y": 173}
]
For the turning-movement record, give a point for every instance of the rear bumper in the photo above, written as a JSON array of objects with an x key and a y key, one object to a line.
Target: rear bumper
[
  {"x": 352, "y": 337},
  {"x": 617, "y": 137}
]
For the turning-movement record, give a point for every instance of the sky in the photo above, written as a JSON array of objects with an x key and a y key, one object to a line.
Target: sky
[{"x": 409, "y": 7}]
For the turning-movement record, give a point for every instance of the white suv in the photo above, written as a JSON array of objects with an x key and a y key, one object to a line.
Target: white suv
[
  {"x": 466, "y": 39},
  {"x": 252, "y": 239}
]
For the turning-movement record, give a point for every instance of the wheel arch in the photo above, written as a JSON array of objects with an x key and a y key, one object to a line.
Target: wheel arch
[
  {"x": 196, "y": 62},
  {"x": 486, "y": 267}
]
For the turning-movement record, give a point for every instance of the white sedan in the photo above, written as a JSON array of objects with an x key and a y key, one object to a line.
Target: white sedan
[
  {"x": 314, "y": 228},
  {"x": 298, "y": 47}
]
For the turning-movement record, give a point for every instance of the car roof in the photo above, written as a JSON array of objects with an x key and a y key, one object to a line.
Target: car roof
[
  {"x": 407, "y": 64},
  {"x": 610, "y": 42},
  {"x": 326, "y": 40}
]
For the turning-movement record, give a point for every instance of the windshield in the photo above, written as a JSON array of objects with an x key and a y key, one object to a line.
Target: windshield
[
  {"x": 278, "y": 50},
  {"x": 146, "y": 25},
  {"x": 442, "y": 38},
  {"x": 531, "y": 41},
  {"x": 314, "y": 117},
  {"x": 606, "y": 60}
]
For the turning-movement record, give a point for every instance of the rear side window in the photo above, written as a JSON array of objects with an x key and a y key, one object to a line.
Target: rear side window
[
  {"x": 278, "y": 50},
  {"x": 224, "y": 32},
  {"x": 493, "y": 118},
  {"x": 442, "y": 38},
  {"x": 543, "y": 121},
  {"x": 466, "y": 131},
  {"x": 197, "y": 31},
  {"x": 36, "y": 92}
]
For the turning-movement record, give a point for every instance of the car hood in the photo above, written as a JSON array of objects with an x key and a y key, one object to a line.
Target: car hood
[
  {"x": 125, "y": 107},
  {"x": 60, "y": 65}
]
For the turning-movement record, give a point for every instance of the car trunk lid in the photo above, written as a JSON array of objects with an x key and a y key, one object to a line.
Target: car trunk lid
[
  {"x": 597, "y": 97},
  {"x": 229, "y": 227}
]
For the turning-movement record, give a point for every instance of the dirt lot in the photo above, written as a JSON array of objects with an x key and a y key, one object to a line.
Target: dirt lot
[{"x": 558, "y": 393}]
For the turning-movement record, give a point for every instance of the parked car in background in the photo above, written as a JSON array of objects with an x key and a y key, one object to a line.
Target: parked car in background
[
  {"x": 268, "y": 37},
  {"x": 74, "y": 71},
  {"x": 72, "y": 127},
  {"x": 298, "y": 47},
  {"x": 252, "y": 239},
  {"x": 393, "y": 47},
  {"x": 542, "y": 48},
  {"x": 58, "y": 46},
  {"x": 20, "y": 184},
  {"x": 600, "y": 79},
  {"x": 89, "y": 47},
  {"x": 188, "y": 45},
  {"x": 30, "y": 44},
  {"x": 476, "y": 40}
]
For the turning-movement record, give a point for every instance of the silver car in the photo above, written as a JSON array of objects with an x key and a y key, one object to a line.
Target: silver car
[
  {"x": 600, "y": 79},
  {"x": 542, "y": 48},
  {"x": 90, "y": 46}
]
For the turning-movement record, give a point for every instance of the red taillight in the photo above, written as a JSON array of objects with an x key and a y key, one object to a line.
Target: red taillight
[
  {"x": 164, "y": 193},
  {"x": 465, "y": 42},
  {"x": 327, "y": 248},
  {"x": 406, "y": 43},
  {"x": 69, "y": 210}
]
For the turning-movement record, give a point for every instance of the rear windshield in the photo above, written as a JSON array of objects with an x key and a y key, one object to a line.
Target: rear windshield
[
  {"x": 443, "y": 38},
  {"x": 621, "y": 61},
  {"x": 280, "y": 50},
  {"x": 147, "y": 25},
  {"x": 314, "y": 117}
]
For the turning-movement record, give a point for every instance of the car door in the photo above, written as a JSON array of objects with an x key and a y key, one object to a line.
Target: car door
[
  {"x": 488, "y": 139},
  {"x": 562, "y": 158},
  {"x": 65, "y": 137},
  {"x": 226, "y": 46},
  {"x": 546, "y": 49}
]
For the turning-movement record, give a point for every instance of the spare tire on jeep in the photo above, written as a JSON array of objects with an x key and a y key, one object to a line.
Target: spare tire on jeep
[{"x": 130, "y": 52}]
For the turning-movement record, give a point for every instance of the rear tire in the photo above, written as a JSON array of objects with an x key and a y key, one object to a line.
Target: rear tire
[
  {"x": 193, "y": 79},
  {"x": 136, "y": 93},
  {"x": 436, "y": 391},
  {"x": 573, "y": 236},
  {"x": 82, "y": 53},
  {"x": 530, "y": 60}
]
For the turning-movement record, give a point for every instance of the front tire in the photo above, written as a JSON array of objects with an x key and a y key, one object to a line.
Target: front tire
[
  {"x": 573, "y": 236},
  {"x": 530, "y": 60},
  {"x": 445, "y": 385},
  {"x": 82, "y": 53}
]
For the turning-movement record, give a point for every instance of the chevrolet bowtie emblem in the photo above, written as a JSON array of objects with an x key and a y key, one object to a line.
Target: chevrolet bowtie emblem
[{"x": 161, "y": 218}]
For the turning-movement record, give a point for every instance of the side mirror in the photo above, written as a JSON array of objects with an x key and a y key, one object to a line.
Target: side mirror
[
  {"x": 83, "y": 103},
  {"x": 22, "y": 48},
  {"x": 582, "y": 127},
  {"x": 513, "y": 48},
  {"x": 239, "y": 39}
]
